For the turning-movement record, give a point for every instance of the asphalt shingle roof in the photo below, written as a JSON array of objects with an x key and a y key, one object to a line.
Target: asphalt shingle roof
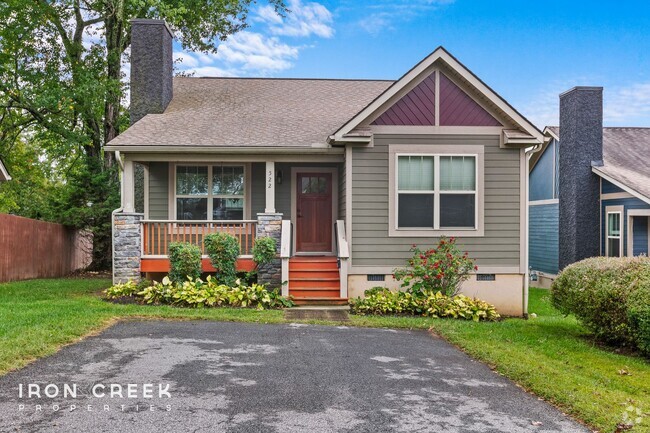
[
  {"x": 252, "y": 112},
  {"x": 626, "y": 156}
]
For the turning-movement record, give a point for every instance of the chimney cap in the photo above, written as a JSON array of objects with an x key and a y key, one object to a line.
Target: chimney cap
[
  {"x": 151, "y": 22},
  {"x": 582, "y": 88}
]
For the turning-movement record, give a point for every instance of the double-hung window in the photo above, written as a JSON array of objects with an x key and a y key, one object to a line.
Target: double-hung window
[
  {"x": 435, "y": 193},
  {"x": 213, "y": 192},
  {"x": 613, "y": 246}
]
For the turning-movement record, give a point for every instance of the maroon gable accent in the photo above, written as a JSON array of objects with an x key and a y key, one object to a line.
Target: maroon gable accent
[
  {"x": 414, "y": 108},
  {"x": 458, "y": 109}
]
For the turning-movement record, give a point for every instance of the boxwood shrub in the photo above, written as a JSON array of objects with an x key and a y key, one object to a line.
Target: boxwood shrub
[
  {"x": 223, "y": 250},
  {"x": 184, "y": 261},
  {"x": 610, "y": 296}
]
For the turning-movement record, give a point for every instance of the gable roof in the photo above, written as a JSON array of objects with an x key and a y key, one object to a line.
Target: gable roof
[
  {"x": 251, "y": 112},
  {"x": 626, "y": 158},
  {"x": 4, "y": 174},
  {"x": 441, "y": 55}
]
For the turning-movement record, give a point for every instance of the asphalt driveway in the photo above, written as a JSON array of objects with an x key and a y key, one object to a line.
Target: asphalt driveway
[{"x": 208, "y": 376}]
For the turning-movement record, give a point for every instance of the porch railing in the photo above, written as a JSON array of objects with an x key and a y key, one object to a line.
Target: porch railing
[{"x": 158, "y": 234}]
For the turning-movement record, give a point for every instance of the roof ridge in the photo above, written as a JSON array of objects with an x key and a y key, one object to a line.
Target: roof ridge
[{"x": 286, "y": 79}]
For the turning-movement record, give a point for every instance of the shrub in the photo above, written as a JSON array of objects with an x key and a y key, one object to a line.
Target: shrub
[
  {"x": 223, "y": 250},
  {"x": 209, "y": 293},
  {"x": 601, "y": 293},
  {"x": 380, "y": 300},
  {"x": 184, "y": 260},
  {"x": 121, "y": 290},
  {"x": 264, "y": 250},
  {"x": 638, "y": 314},
  {"x": 443, "y": 269}
]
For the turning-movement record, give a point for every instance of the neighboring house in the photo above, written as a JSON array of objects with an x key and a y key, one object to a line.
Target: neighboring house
[
  {"x": 4, "y": 174},
  {"x": 345, "y": 174},
  {"x": 589, "y": 188}
]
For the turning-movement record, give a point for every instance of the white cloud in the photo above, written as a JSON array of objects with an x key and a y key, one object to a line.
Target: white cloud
[
  {"x": 381, "y": 16},
  {"x": 303, "y": 20},
  {"x": 262, "y": 49},
  {"x": 627, "y": 105}
]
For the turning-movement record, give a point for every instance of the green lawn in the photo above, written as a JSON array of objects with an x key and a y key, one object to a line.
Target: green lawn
[{"x": 550, "y": 355}]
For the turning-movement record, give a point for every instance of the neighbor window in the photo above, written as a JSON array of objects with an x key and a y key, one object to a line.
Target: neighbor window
[
  {"x": 436, "y": 191},
  {"x": 214, "y": 192},
  {"x": 613, "y": 234}
]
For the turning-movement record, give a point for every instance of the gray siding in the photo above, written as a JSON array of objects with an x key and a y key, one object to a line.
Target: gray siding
[
  {"x": 541, "y": 183},
  {"x": 371, "y": 245},
  {"x": 543, "y": 238},
  {"x": 159, "y": 191}
]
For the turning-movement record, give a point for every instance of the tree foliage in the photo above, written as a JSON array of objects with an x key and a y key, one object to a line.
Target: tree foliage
[{"x": 62, "y": 92}]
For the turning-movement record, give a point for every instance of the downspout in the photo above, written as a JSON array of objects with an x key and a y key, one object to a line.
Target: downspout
[
  {"x": 529, "y": 154},
  {"x": 118, "y": 157}
]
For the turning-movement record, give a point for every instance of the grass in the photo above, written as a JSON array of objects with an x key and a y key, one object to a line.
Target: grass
[{"x": 550, "y": 355}]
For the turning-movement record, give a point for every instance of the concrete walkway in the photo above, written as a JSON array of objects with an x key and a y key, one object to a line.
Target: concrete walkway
[{"x": 209, "y": 376}]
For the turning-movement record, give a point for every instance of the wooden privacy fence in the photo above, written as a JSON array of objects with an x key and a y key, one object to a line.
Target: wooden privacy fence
[
  {"x": 38, "y": 249},
  {"x": 157, "y": 235}
]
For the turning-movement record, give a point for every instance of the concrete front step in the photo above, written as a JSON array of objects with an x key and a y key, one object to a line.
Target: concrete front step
[
  {"x": 325, "y": 312},
  {"x": 319, "y": 300}
]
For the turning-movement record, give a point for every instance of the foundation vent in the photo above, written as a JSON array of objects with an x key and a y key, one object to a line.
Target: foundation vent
[
  {"x": 376, "y": 277},
  {"x": 485, "y": 277}
]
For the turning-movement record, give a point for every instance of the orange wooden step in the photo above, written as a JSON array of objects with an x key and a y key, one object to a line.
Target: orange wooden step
[
  {"x": 312, "y": 265},
  {"x": 313, "y": 259},
  {"x": 314, "y": 273},
  {"x": 308, "y": 294},
  {"x": 314, "y": 282}
]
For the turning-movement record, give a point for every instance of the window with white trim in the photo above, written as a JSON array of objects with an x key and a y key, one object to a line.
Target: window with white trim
[
  {"x": 614, "y": 234},
  {"x": 213, "y": 192},
  {"x": 436, "y": 191}
]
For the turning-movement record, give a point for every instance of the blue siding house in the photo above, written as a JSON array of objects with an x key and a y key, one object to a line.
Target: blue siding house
[{"x": 589, "y": 190}]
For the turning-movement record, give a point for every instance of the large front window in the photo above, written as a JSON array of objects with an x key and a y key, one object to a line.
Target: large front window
[
  {"x": 214, "y": 192},
  {"x": 436, "y": 191}
]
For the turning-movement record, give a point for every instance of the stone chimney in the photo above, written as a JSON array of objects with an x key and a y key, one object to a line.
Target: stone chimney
[
  {"x": 581, "y": 147},
  {"x": 151, "y": 67}
]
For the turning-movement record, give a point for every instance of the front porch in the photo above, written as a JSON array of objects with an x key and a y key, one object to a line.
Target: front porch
[{"x": 299, "y": 203}]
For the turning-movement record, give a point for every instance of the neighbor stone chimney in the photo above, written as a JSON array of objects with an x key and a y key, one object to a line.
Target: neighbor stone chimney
[
  {"x": 151, "y": 67},
  {"x": 581, "y": 147}
]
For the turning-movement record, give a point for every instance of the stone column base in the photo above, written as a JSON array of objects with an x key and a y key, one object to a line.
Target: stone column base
[
  {"x": 127, "y": 247},
  {"x": 270, "y": 225}
]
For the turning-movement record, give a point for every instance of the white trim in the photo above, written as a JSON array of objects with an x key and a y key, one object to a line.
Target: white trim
[
  {"x": 335, "y": 204},
  {"x": 620, "y": 210},
  {"x": 477, "y": 151},
  {"x": 4, "y": 172},
  {"x": 436, "y": 130},
  {"x": 615, "y": 195},
  {"x": 620, "y": 185},
  {"x": 631, "y": 213},
  {"x": 128, "y": 187},
  {"x": 146, "y": 191},
  {"x": 295, "y": 158},
  {"x": 442, "y": 55},
  {"x": 543, "y": 202},
  {"x": 320, "y": 149},
  {"x": 388, "y": 270},
  {"x": 348, "y": 199},
  {"x": 172, "y": 196},
  {"x": 269, "y": 187}
]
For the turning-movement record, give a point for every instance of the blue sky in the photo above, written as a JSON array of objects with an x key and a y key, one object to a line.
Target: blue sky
[{"x": 529, "y": 52}]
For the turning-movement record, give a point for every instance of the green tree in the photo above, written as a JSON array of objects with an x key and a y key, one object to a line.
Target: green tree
[{"x": 62, "y": 86}]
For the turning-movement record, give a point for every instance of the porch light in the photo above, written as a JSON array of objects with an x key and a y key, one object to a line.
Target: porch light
[{"x": 278, "y": 177}]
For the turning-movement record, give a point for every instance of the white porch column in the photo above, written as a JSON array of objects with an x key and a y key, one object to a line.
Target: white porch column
[
  {"x": 270, "y": 187},
  {"x": 128, "y": 187}
]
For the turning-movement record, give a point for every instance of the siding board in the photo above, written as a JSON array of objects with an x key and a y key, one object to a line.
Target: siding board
[
  {"x": 371, "y": 245},
  {"x": 543, "y": 237}
]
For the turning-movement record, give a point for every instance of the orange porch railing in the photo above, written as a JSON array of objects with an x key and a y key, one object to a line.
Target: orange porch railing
[{"x": 157, "y": 235}]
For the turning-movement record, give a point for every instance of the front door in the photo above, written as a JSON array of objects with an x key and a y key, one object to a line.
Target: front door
[{"x": 314, "y": 213}]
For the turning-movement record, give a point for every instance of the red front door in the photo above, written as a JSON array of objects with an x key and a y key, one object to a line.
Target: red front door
[{"x": 314, "y": 213}]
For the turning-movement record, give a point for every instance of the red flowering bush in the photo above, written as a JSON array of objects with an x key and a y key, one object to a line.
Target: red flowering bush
[{"x": 439, "y": 269}]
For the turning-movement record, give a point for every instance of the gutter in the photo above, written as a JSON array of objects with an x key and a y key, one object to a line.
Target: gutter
[
  {"x": 529, "y": 154},
  {"x": 315, "y": 150},
  {"x": 118, "y": 157}
]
